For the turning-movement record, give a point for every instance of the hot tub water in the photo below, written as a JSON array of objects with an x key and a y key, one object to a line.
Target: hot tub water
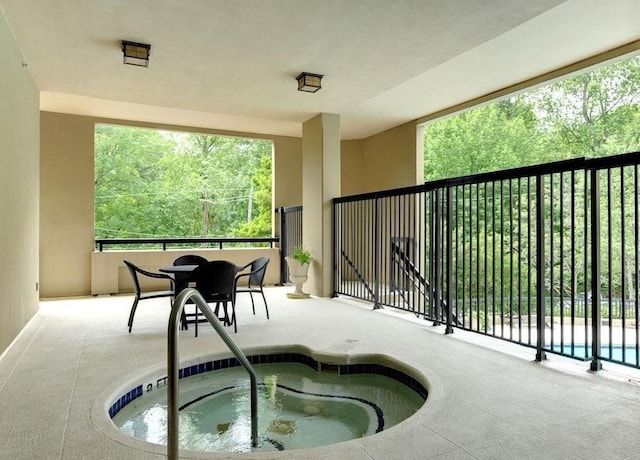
[{"x": 299, "y": 407}]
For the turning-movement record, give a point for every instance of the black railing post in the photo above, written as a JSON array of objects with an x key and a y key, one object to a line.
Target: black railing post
[
  {"x": 540, "y": 291},
  {"x": 437, "y": 258},
  {"x": 290, "y": 236},
  {"x": 283, "y": 245},
  {"x": 436, "y": 310},
  {"x": 376, "y": 256},
  {"x": 449, "y": 261},
  {"x": 596, "y": 289},
  {"x": 336, "y": 258}
]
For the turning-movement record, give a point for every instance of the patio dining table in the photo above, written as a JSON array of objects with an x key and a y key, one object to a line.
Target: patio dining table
[{"x": 181, "y": 274}]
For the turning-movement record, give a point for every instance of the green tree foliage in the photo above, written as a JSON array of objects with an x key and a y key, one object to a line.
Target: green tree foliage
[
  {"x": 593, "y": 114},
  {"x": 261, "y": 223},
  {"x": 151, "y": 183},
  {"x": 496, "y": 136},
  {"x": 127, "y": 173}
]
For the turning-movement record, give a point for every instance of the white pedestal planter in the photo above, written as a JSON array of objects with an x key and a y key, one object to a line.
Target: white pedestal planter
[{"x": 298, "y": 275}]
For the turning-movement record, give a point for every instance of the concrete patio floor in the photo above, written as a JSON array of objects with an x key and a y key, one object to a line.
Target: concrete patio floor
[{"x": 487, "y": 398}]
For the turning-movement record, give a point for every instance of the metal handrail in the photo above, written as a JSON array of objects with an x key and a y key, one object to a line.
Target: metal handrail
[
  {"x": 173, "y": 367},
  {"x": 101, "y": 243}
]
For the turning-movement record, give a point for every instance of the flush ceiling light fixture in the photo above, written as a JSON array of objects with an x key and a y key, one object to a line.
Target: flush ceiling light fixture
[
  {"x": 135, "y": 53},
  {"x": 309, "y": 82}
]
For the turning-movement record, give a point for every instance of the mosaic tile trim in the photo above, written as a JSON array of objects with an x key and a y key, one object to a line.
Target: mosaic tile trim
[{"x": 124, "y": 400}]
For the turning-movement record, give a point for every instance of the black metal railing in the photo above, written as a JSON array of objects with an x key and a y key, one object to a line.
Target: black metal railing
[
  {"x": 517, "y": 254},
  {"x": 188, "y": 242},
  {"x": 290, "y": 236}
]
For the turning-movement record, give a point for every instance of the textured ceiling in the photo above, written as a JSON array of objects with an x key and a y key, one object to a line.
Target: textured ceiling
[{"x": 231, "y": 64}]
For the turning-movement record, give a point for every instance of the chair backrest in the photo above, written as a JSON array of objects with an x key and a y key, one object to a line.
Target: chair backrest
[
  {"x": 215, "y": 280},
  {"x": 134, "y": 270},
  {"x": 258, "y": 269},
  {"x": 190, "y": 259}
]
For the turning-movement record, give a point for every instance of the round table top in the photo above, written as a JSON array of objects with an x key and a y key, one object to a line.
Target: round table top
[{"x": 178, "y": 269}]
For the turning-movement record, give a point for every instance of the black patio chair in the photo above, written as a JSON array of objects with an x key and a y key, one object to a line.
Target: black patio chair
[
  {"x": 255, "y": 280},
  {"x": 190, "y": 259},
  {"x": 216, "y": 282},
  {"x": 182, "y": 279},
  {"x": 136, "y": 273}
]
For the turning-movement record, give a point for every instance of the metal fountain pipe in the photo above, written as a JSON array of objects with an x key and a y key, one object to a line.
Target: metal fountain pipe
[{"x": 173, "y": 365}]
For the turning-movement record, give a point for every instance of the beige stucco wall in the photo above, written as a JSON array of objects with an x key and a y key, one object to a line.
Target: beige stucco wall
[
  {"x": 67, "y": 187},
  {"x": 321, "y": 172},
  {"x": 66, "y": 211},
  {"x": 66, "y": 183},
  {"x": 392, "y": 158},
  {"x": 287, "y": 172},
  {"x": 111, "y": 276},
  {"x": 351, "y": 164},
  {"x": 19, "y": 138},
  {"x": 388, "y": 160}
]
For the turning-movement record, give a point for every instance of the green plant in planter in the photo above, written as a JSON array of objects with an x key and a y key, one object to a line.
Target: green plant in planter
[
  {"x": 298, "y": 262},
  {"x": 301, "y": 255}
]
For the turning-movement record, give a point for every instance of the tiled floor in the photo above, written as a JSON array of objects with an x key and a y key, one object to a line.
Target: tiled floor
[{"x": 76, "y": 354}]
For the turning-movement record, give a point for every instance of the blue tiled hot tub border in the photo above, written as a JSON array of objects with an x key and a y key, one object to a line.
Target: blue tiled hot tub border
[{"x": 225, "y": 363}]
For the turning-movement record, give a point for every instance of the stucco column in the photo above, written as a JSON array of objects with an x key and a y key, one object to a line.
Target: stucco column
[{"x": 320, "y": 184}]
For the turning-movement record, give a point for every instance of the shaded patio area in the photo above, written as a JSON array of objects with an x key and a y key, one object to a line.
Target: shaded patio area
[{"x": 487, "y": 398}]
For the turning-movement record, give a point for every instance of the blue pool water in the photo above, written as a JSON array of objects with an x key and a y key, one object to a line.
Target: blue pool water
[{"x": 618, "y": 353}]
